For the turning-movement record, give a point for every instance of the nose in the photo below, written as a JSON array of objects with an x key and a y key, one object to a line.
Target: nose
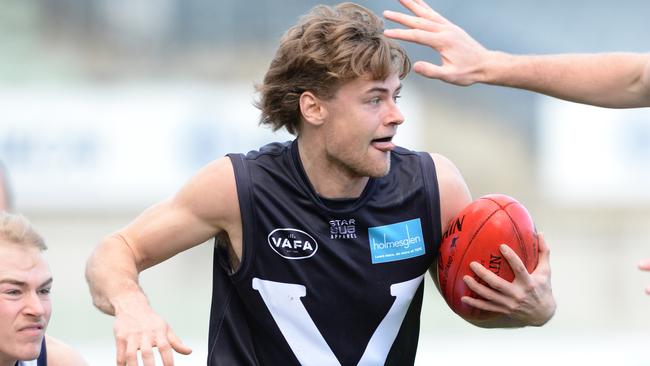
[
  {"x": 394, "y": 116},
  {"x": 34, "y": 305}
]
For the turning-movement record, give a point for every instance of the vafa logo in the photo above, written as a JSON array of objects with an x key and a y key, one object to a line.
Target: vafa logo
[{"x": 292, "y": 243}]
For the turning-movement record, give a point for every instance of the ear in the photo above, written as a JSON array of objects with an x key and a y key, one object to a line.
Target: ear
[{"x": 312, "y": 109}]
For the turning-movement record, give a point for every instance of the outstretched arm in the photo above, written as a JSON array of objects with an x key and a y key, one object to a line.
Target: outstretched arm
[
  {"x": 615, "y": 80},
  {"x": 206, "y": 206}
]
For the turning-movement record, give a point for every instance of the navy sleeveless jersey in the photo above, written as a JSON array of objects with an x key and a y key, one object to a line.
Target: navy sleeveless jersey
[{"x": 322, "y": 282}]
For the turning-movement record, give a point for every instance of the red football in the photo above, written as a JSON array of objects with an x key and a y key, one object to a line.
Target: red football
[{"x": 475, "y": 235}]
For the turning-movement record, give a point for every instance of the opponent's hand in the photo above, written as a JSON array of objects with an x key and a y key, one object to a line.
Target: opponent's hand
[
  {"x": 462, "y": 57},
  {"x": 644, "y": 265},
  {"x": 527, "y": 300},
  {"x": 138, "y": 327}
]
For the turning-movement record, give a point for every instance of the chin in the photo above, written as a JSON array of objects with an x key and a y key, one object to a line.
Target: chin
[
  {"x": 29, "y": 351},
  {"x": 380, "y": 170}
]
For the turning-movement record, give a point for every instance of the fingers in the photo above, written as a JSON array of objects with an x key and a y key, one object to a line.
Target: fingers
[
  {"x": 419, "y": 36},
  {"x": 429, "y": 70},
  {"x": 120, "y": 350},
  {"x": 411, "y": 21},
  {"x": 518, "y": 267},
  {"x": 165, "y": 350},
  {"x": 131, "y": 353},
  {"x": 146, "y": 351},
  {"x": 483, "y": 305},
  {"x": 544, "y": 263},
  {"x": 644, "y": 265},
  {"x": 177, "y": 344},
  {"x": 495, "y": 282},
  {"x": 128, "y": 345},
  {"x": 422, "y": 4},
  {"x": 486, "y": 293},
  {"x": 421, "y": 9}
]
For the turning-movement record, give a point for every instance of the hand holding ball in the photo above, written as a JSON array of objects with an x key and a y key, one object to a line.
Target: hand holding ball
[{"x": 475, "y": 234}]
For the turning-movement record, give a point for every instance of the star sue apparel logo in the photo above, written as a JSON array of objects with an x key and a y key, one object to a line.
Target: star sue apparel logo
[
  {"x": 395, "y": 242},
  {"x": 343, "y": 229}
]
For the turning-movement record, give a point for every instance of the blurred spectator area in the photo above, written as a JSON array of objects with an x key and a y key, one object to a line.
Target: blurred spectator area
[{"x": 107, "y": 106}]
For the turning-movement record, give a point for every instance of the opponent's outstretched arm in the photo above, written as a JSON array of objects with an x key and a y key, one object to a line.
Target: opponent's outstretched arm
[
  {"x": 615, "y": 80},
  {"x": 205, "y": 206}
]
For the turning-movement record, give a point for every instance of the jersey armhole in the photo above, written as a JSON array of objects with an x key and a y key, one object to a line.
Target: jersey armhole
[
  {"x": 433, "y": 195},
  {"x": 246, "y": 203}
]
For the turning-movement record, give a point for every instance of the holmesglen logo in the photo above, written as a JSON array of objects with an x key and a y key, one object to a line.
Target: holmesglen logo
[
  {"x": 292, "y": 243},
  {"x": 394, "y": 242}
]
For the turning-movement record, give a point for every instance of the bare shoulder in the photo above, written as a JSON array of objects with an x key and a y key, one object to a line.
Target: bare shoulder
[
  {"x": 454, "y": 194},
  {"x": 60, "y": 354},
  {"x": 212, "y": 192}
]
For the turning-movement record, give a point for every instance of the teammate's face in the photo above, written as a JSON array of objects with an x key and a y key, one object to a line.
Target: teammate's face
[
  {"x": 362, "y": 119},
  {"x": 25, "y": 307}
]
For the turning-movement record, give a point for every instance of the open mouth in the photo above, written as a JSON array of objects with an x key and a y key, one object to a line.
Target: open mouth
[
  {"x": 384, "y": 144},
  {"x": 383, "y": 139}
]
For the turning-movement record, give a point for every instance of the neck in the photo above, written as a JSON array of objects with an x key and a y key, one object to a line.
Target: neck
[
  {"x": 7, "y": 361},
  {"x": 329, "y": 178}
]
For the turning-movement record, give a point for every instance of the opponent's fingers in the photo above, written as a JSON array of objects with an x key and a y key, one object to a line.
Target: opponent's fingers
[
  {"x": 483, "y": 305},
  {"x": 419, "y": 36},
  {"x": 647, "y": 290},
  {"x": 644, "y": 264},
  {"x": 422, "y": 4},
  {"x": 411, "y": 21},
  {"x": 518, "y": 267},
  {"x": 421, "y": 9},
  {"x": 177, "y": 344},
  {"x": 429, "y": 70}
]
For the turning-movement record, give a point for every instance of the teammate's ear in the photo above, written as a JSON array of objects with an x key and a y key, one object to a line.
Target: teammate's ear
[{"x": 312, "y": 109}]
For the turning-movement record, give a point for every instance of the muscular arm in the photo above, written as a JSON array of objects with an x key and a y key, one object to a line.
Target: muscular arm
[
  {"x": 615, "y": 80},
  {"x": 205, "y": 206},
  {"x": 454, "y": 196}
]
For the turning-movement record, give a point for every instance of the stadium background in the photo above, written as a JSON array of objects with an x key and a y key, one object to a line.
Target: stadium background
[{"x": 109, "y": 106}]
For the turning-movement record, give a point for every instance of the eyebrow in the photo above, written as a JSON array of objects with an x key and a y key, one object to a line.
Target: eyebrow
[
  {"x": 11, "y": 281},
  {"x": 383, "y": 90}
]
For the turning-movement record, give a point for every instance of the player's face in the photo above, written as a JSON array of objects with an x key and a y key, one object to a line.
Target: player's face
[
  {"x": 362, "y": 119},
  {"x": 25, "y": 307}
]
